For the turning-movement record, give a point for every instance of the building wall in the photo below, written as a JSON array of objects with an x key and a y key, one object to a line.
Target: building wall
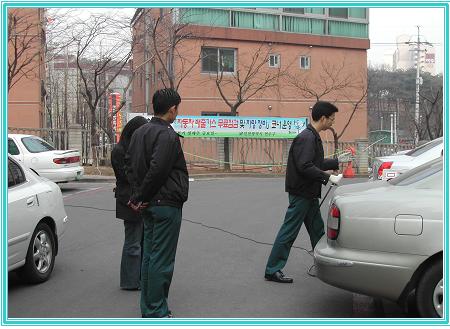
[
  {"x": 200, "y": 94},
  {"x": 25, "y": 101}
]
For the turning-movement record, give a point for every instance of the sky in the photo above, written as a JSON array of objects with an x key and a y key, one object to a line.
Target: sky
[{"x": 385, "y": 24}]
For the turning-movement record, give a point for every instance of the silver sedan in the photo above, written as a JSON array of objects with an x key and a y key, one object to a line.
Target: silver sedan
[{"x": 385, "y": 239}]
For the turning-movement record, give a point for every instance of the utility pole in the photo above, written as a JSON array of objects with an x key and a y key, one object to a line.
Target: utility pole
[
  {"x": 416, "y": 116},
  {"x": 392, "y": 128},
  {"x": 66, "y": 90},
  {"x": 419, "y": 81}
]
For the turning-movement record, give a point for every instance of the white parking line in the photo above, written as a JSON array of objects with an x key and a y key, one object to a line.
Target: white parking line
[{"x": 83, "y": 191}]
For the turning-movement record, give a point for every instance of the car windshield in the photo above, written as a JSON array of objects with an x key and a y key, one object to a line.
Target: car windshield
[
  {"x": 418, "y": 174},
  {"x": 36, "y": 145},
  {"x": 424, "y": 148}
]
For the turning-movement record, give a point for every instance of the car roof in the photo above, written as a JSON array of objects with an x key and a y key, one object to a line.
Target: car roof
[{"x": 21, "y": 135}]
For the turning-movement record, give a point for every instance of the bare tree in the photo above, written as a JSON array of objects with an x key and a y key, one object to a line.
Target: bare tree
[
  {"x": 359, "y": 89},
  {"x": 249, "y": 79},
  {"x": 335, "y": 82},
  {"x": 333, "y": 78},
  {"x": 432, "y": 111},
  {"x": 167, "y": 32},
  {"x": 25, "y": 44},
  {"x": 103, "y": 51},
  {"x": 32, "y": 33}
]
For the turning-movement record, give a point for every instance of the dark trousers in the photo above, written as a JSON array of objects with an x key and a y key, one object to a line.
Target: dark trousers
[
  {"x": 130, "y": 265},
  {"x": 300, "y": 210},
  {"x": 161, "y": 230}
]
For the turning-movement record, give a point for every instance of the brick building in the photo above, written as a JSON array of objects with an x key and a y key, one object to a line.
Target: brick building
[
  {"x": 319, "y": 51},
  {"x": 26, "y": 87}
]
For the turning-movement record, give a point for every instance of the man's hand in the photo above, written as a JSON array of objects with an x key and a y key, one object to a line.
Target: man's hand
[
  {"x": 332, "y": 172},
  {"x": 335, "y": 179},
  {"x": 137, "y": 207}
]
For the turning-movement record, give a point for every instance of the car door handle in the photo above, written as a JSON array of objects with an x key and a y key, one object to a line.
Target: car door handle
[{"x": 30, "y": 201}]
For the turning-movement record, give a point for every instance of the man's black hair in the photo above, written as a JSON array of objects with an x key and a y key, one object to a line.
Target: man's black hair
[
  {"x": 321, "y": 109},
  {"x": 164, "y": 99}
]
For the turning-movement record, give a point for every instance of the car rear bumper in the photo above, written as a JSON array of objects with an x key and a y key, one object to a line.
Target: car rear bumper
[
  {"x": 377, "y": 274},
  {"x": 63, "y": 174}
]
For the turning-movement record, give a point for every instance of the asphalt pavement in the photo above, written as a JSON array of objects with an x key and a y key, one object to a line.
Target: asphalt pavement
[{"x": 229, "y": 224}]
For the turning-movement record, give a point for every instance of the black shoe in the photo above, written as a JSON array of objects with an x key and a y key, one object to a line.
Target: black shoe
[{"x": 278, "y": 277}]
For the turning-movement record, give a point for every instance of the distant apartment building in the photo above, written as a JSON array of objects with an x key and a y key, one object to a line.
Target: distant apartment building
[
  {"x": 405, "y": 56},
  {"x": 305, "y": 44},
  {"x": 26, "y": 51}
]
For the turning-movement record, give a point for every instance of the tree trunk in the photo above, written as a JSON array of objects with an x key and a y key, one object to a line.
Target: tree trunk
[
  {"x": 226, "y": 151},
  {"x": 226, "y": 142},
  {"x": 94, "y": 137}
]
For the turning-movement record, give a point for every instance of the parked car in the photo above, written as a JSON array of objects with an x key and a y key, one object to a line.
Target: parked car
[
  {"x": 36, "y": 222},
  {"x": 385, "y": 239},
  {"x": 388, "y": 167},
  {"x": 34, "y": 152}
]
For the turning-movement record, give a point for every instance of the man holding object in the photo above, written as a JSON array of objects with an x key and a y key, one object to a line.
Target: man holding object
[{"x": 305, "y": 175}]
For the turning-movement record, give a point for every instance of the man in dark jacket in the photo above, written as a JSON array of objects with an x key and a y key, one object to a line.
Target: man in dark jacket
[
  {"x": 305, "y": 175},
  {"x": 157, "y": 171}
]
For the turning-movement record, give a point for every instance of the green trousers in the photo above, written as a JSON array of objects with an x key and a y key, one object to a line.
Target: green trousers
[
  {"x": 161, "y": 230},
  {"x": 300, "y": 210}
]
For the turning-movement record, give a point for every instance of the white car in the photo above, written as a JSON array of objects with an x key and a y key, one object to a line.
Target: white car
[
  {"x": 388, "y": 167},
  {"x": 385, "y": 239},
  {"x": 36, "y": 223},
  {"x": 34, "y": 152}
]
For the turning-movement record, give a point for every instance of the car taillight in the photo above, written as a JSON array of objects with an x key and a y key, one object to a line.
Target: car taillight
[
  {"x": 384, "y": 165},
  {"x": 333, "y": 224},
  {"x": 66, "y": 160}
]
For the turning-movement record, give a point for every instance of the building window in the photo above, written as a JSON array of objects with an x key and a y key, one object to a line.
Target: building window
[
  {"x": 357, "y": 13},
  {"x": 216, "y": 60},
  {"x": 305, "y": 62},
  {"x": 294, "y": 10},
  {"x": 258, "y": 21},
  {"x": 338, "y": 12},
  {"x": 274, "y": 60}
]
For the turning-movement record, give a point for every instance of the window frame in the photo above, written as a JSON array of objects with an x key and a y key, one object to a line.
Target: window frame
[
  {"x": 346, "y": 17},
  {"x": 12, "y": 173},
  {"x": 17, "y": 147},
  {"x": 278, "y": 60},
  {"x": 309, "y": 62},
  {"x": 52, "y": 148},
  {"x": 217, "y": 60}
]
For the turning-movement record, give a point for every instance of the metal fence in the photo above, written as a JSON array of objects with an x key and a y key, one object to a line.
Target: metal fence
[{"x": 246, "y": 154}]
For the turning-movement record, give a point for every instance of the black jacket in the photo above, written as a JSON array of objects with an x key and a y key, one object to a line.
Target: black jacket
[
  {"x": 123, "y": 188},
  {"x": 156, "y": 166},
  {"x": 306, "y": 165}
]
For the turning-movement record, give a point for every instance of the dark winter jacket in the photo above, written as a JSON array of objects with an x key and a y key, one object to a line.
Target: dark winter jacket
[
  {"x": 155, "y": 165},
  {"x": 123, "y": 188},
  {"x": 306, "y": 165}
]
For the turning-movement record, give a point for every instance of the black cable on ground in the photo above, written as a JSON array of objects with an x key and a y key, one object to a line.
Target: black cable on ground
[{"x": 208, "y": 227}]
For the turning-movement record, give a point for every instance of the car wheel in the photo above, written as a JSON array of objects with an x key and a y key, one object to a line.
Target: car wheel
[
  {"x": 430, "y": 292},
  {"x": 40, "y": 255}
]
